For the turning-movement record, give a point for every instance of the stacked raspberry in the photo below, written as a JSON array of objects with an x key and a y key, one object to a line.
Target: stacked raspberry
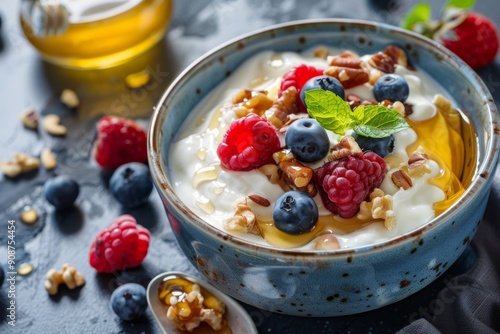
[
  {"x": 345, "y": 183},
  {"x": 248, "y": 143}
]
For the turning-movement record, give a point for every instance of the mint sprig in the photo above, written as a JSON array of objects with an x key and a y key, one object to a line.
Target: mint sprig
[{"x": 335, "y": 114}]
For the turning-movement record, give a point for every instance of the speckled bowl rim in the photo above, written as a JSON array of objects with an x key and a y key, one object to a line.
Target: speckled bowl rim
[{"x": 485, "y": 168}]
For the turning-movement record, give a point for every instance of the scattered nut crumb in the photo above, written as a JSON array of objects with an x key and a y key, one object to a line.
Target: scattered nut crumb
[
  {"x": 68, "y": 275},
  {"x": 25, "y": 269},
  {"x": 22, "y": 163},
  {"x": 51, "y": 124},
  {"x": 48, "y": 159},
  {"x": 29, "y": 215},
  {"x": 138, "y": 79},
  {"x": 29, "y": 118},
  {"x": 69, "y": 98}
]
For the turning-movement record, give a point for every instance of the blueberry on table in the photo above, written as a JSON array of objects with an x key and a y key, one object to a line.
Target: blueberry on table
[
  {"x": 392, "y": 87},
  {"x": 61, "y": 191},
  {"x": 295, "y": 212},
  {"x": 307, "y": 140},
  {"x": 129, "y": 301},
  {"x": 131, "y": 184},
  {"x": 381, "y": 146},
  {"x": 324, "y": 82}
]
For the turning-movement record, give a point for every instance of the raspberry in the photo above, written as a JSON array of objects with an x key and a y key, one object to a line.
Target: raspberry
[
  {"x": 475, "y": 40},
  {"x": 248, "y": 143},
  {"x": 123, "y": 244},
  {"x": 345, "y": 183},
  {"x": 119, "y": 140},
  {"x": 297, "y": 76}
]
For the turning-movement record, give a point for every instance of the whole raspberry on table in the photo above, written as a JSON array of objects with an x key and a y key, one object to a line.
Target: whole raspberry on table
[
  {"x": 297, "y": 76},
  {"x": 124, "y": 244},
  {"x": 470, "y": 35},
  {"x": 248, "y": 143},
  {"x": 119, "y": 141},
  {"x": 345, "y": 183}
]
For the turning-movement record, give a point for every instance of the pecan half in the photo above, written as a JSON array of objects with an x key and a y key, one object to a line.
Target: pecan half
[
  {"x": 295, "y": 175},
  {"x": 401, "y": 179},
  {"x": 283, "y": 106}
]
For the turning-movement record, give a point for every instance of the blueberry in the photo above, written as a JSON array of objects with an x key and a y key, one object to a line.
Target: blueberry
[
  {"x": 392, "y": 87},
  {"x": 381, "y": 146},
  {"x": 295, "y": 212},
  {"x": 61, "y": 191},
  {"x": 129, "y": 301},
  {"x": 307, "y": 140},
  {"x": 324, "y": 82},
  {"x": 131, "y": 184}
]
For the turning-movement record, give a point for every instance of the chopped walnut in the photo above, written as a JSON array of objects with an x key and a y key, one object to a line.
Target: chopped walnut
[
  {"x": 379, "y": 207},
  {"x": 347, "y": 146},
  {"x": 244, "y": 220},
  {"x": 188, "y": 310},
  {"x": 283, "y": 107},
  {"x": 67, "y": 275},
  {"x": 295, "y": 175}
]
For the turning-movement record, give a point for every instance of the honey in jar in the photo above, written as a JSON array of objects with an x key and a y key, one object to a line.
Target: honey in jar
[{"x": 93, "y": 33}]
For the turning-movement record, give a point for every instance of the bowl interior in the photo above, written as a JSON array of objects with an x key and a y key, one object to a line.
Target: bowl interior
[{"x": 461, "y": 83}]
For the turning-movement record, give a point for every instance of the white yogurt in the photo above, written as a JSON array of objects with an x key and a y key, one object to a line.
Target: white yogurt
[{"x": 210, "y": 190}]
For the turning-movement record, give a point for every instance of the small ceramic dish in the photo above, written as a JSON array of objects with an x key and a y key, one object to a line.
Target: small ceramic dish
[{"x": 238, "y": 320}]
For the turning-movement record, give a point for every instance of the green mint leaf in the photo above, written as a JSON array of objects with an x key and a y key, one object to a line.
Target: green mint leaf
[
  {"x": 330, "y": 110},
  {"x": 462, "y": 4},
  {"x": 376, "y": 121},
  {"x": 418, "y": 17}
]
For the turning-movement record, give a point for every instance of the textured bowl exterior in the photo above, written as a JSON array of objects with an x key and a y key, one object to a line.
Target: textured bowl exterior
[{"x": 338, "y": 282}]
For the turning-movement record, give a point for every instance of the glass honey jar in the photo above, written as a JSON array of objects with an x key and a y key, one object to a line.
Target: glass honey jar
[{"x": 90, "y": 34}]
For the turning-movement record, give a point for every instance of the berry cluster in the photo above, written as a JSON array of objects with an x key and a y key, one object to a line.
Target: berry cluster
[{"x": 343, "y": 184}]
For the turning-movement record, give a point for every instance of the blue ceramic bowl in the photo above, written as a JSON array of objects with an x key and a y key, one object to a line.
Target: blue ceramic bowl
[{"x": 338, "y": 282}]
